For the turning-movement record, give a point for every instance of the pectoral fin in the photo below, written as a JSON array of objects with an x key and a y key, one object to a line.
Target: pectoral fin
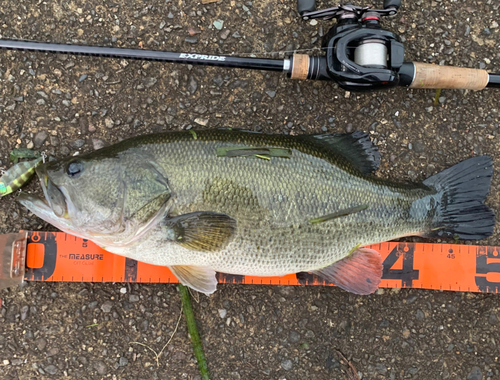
[
  {"x": 201, "y": 231},
  {"x": 201, "y": 279},
  {"x": 359, "y": 273}
]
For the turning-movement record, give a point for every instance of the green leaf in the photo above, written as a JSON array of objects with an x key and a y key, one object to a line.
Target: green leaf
[
  {"x": 259, "y": 152},
  {"x": 338, "y": 214}
]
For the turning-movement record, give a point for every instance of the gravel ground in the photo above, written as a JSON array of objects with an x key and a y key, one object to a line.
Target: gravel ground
[{"x": 65, "y": 104}]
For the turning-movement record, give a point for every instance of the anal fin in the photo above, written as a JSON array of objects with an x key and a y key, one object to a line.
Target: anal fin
[
  {"x": 201, "y": 279},
  {"x": 359, "y": 273}
]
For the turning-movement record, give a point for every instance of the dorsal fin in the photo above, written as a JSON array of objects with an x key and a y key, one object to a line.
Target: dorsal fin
[{"x": 356, "y": 147}]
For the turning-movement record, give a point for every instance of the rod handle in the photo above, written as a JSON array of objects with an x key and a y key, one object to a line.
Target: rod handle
[{"x": 434, "y": 76}]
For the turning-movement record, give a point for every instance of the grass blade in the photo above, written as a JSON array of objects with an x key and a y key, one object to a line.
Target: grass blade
[{"x": 193, "y": 332}]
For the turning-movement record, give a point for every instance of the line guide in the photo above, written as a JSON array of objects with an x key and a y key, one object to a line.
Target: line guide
[{"x": 57, "y": 256}]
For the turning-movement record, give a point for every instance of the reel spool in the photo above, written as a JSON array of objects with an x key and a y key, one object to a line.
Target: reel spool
[{"x": 371, "y": 53}]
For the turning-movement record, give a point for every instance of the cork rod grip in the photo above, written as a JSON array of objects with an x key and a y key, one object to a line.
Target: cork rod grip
[
  {"x": 434, "y": 76},
  {"x": 300, "y": 66}
]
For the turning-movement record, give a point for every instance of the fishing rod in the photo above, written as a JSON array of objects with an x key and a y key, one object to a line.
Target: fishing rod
[{"x": 360, "y": 55}]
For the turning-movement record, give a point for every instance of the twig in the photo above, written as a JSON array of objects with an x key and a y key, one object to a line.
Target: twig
[
  {"x": 157, "y": 355},
  {"x": 195, "y": 295},
  {"x": 352, "y": 373},
  {"x": 193, "y": 332}
]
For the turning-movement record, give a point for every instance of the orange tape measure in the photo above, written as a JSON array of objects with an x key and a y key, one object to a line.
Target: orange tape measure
[{"x": 57, "y": 256}]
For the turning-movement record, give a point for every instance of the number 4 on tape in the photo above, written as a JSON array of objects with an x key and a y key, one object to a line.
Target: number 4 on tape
[{"x": 57, "y": 256}]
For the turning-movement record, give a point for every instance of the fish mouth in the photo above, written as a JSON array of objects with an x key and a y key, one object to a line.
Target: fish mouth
[
  {"x": 54, "y": 196},
  {"x": 53, "y": 207}
]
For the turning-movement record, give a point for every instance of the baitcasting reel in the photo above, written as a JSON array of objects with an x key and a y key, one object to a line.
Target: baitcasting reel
[{"x": 360, "y": 54}]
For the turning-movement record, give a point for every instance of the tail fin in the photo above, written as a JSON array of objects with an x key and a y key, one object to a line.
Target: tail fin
[{"x": 461, "y": 210}]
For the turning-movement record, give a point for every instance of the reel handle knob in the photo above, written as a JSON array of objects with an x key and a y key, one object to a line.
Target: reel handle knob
[
  {"x": 392, "y": 4},
  {"x": 306, "y": 6}
]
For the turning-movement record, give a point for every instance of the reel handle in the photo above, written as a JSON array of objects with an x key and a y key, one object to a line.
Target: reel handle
[
  {"x": 306, "y": 6},
  {"x": 392, "y": 4}
]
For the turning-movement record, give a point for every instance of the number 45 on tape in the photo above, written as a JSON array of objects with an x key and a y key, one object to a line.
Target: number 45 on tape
[{"x": 57, "y": 256}]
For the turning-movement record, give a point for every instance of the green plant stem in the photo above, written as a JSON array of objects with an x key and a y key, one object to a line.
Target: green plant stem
[
  {"x": 436, "y": 97},
  {"x": 193, "y": 332}
]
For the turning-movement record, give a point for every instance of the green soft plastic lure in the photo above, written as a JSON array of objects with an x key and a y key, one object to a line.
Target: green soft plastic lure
[
  {"x": 17, "y": 176},
  {"x": 18, "y": 153}
]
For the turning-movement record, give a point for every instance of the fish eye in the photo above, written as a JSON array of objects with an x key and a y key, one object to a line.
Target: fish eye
[{"x": 74, "y": 169}]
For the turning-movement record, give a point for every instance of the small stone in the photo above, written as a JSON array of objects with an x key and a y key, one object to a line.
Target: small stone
[
  {"x": 493, "y": 319},
  {"x": 107, "y": 306},
  {"x": 51, "y": 369},
  {"x": 382, "y": 369},
  {"x": 222, "y": 313},
  {"x": 406, "y": 333},
  {"x": 41, "y": 344},
  {"x": 331, "y": 363},
  {"x": 271, "y": 94},
  {"x": 30, "y": 145},
  {"x": 494, "y": 25},
  {"x": 100, "y": 367},
  {"x": 475, "y": 374},
  {"x": 40, "y": 102},
  {"x": 200, "y": 121},
  {"x": 419, "y": 315},
  {"x": 149, "y": 82},
  {"x": 123, "y": 361},
  {"x": 429, "y": 109},
  {"x": 294, "y": 336},
  {"x": 77, "y": 144},
  {"x": 123, "y": 290},
  {"x": 40, "y": 138},
  {"x": 225, "y": 34},
  {"x": 313, "y": 22},
  {"x": 193, "y": 85},
  {"x": 191, "y": 40},
  {"x": 24, "y": 312},
  {"x": 53, "y": 351},
  {"x": 218, "y": 24},
  {"x": 482, "y": 65},
  {"x": 287, "y": 365},
  {"x": 82, "y": 78},
  {"x": 418, "y": 146},
  {"x": 54, "y": 141},
  {"x": 109, "y": 123},
  {"x": 133, "y": 298},
  {"x": 97, "y": 143}
]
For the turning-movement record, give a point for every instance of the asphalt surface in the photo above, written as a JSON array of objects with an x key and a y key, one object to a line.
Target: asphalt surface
[{"x": 66, "y": 104}]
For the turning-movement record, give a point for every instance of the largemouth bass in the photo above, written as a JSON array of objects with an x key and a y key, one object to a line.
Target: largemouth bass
[{"x": 256, "y": 204}]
